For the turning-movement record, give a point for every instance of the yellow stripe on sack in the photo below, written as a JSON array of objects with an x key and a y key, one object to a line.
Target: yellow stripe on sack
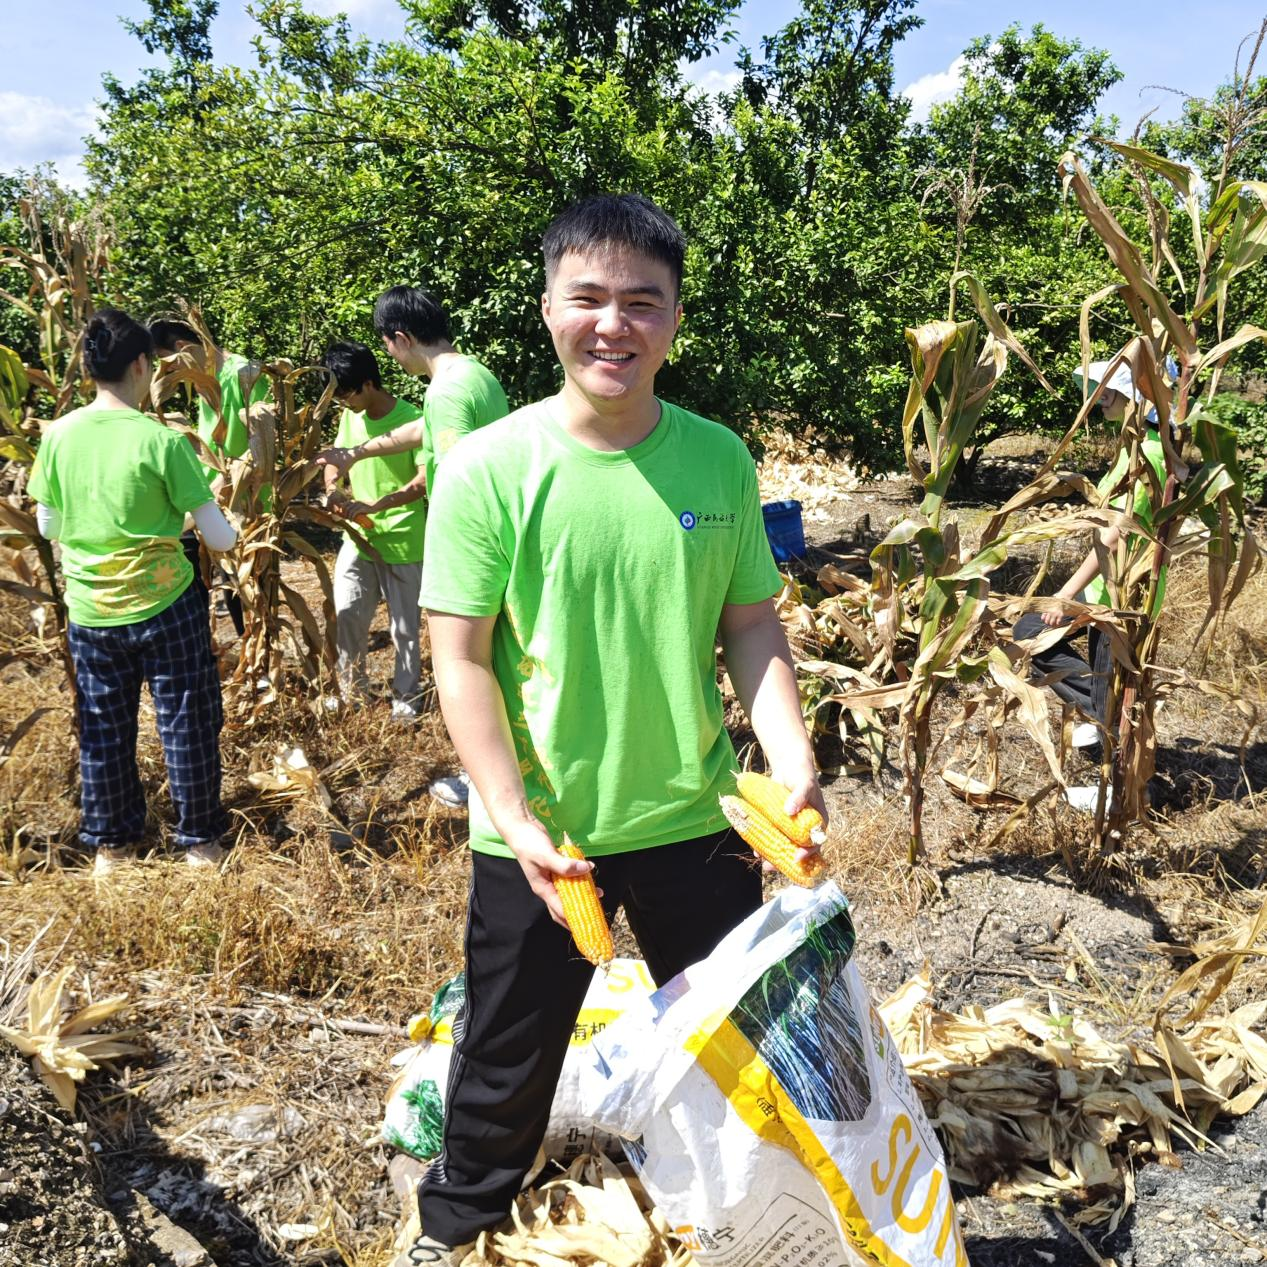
[{"x": 764, "y": 1106}]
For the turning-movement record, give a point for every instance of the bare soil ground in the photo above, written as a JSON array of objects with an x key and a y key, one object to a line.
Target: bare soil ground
[{"x": 252, "y": 1121}]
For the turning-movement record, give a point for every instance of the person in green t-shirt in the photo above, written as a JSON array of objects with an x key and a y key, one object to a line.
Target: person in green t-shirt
[
  {"x": 461, "y": 396},
  {"x": 583, "y": 555},
  {"x": 387, "y": 492},
  {"x": 114, "y": 486},
  {"x": 1085, "y": 684},
  {"x": 233, "y": 372}
]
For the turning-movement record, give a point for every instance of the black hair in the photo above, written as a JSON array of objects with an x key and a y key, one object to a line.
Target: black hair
[
  {"x": 112, "y": 341},
  {"x": 603, "y": 220},
  {"x": 412, "y": 310},
  {"x": 169, "y": 331},
  {"x": 353, "y": 365}
]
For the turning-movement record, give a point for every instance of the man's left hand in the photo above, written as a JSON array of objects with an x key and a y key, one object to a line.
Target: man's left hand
[
  {"x": 335, "y": 458},
  {"x": 801, "y": 780}
]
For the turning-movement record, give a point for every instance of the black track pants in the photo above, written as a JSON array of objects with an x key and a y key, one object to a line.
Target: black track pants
[{"x": 525, "y": 982}]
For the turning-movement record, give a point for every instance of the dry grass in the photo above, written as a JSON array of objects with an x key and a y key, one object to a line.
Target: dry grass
[{"x": 356, "y": 912}]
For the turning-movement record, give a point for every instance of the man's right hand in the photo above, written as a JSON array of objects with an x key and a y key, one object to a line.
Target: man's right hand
[
  {"x": 541, "y": 863},
  {"x": 339, "y": 459}
]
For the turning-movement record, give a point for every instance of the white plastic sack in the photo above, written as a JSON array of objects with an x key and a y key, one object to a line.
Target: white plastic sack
[
  {"x": 769, "y": 1115},
  {"x": 414, "y": 1114}
]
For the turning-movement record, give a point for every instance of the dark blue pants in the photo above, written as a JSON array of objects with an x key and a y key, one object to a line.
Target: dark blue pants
[{"x": 172, "y": 652}]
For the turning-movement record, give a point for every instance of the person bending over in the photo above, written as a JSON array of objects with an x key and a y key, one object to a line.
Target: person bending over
[{"x": 389, "y": 490}]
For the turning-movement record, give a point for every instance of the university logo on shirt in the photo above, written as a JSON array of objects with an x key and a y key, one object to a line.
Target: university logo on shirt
[{"x": 692, "y": 519}]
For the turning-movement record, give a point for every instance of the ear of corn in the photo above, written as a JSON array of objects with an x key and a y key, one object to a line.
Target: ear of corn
[
  {"x": 583, "y": 911},
  {"x": 770, "y": 843},
  {"x": 768, "y": 798}
]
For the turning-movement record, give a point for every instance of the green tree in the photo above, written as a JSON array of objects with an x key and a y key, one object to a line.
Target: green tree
[
  {"x": 635, "y": 39},
  {"x": 1024, "y": 100},
  {"x": 830, "y": 71}
]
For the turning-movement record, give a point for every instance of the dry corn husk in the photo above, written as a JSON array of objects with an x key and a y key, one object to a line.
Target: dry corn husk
[
  {"x": 590, "y": 1214},
  {"x": 818, "y": 482},
  {"x": 1035, "y": 1102},
  {"x": 62, "y": 1050}
]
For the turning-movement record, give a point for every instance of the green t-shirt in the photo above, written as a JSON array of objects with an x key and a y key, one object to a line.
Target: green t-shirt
[
  {"x": 608, "y": 573},
  {"x": 232, "y": 402},
  {"x": 462, "y": 397},
  {"x": 122, "y": 484},
  {"x": 397, "y": 533},
  {"x": 1097, "y": 591}
]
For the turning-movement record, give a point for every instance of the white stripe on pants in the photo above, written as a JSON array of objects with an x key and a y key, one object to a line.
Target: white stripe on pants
[{"x": 359, "y": 584}]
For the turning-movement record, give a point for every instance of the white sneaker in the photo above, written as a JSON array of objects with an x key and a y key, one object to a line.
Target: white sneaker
[
  {"x": 111, "y": 858},
  {"x": 455, "y": 789},
  {"x": 205, "y": 857},
  {"x": 404, "y": 712},
  {"x": 1086, "y": 735},
  {"x": 426, "y": 1250},
  {"x": 1083, "y": 799}
]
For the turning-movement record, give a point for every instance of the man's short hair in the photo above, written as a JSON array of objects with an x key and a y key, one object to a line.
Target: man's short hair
[
  {"x": 413, "y": 311},
  {"x": 603, "y": 220},
  {"x": 353, "y": 365},
  {"x": 167, "y": 332}
]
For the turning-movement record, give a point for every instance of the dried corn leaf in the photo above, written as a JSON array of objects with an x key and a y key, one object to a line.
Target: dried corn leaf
[
  {"x": 62, "y": 1051},
  {"x": 1033, "y": 1102}
]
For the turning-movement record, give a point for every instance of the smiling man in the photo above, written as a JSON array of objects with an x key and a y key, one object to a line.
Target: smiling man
[{"x": 593, "y": 548}]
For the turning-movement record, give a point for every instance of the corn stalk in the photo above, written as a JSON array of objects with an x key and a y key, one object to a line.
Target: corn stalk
[
  {"x": 265, "y": 495},
  {"x": 64, "y": 258},
  {"x": 1229, "y": 239}
]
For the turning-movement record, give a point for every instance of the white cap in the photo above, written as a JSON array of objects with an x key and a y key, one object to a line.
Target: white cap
[{"x": 1119, "y": 381}]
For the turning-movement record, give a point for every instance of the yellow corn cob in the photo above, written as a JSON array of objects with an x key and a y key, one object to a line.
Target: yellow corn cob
[
  {"x": 770, "y": 842},
  {"x": 768, "y": 798},
  {"x": 583, "y": 911}
]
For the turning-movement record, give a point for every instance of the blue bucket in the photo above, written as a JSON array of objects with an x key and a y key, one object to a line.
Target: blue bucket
[{"x": 784, "y": 530}]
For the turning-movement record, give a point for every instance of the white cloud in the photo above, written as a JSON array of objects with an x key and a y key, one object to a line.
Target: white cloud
[
  {"x": 37, "y": 130},
  {"x": 928, "y": 90},
  {"x": 713, "y": 81}
]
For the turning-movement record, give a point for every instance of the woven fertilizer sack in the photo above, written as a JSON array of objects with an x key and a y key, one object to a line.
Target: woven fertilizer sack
[
  {"x": 413, "y": 1119},
  {"x": 767, "y": 1110}
]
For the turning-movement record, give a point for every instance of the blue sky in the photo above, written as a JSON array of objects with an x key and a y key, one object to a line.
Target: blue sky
[{"x": 58, "y": 51}]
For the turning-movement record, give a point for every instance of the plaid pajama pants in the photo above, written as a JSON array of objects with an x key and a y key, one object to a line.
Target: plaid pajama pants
[{"x": 172, "y": 652}]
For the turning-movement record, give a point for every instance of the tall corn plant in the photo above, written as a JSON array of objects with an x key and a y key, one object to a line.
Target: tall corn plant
[
  {"x": 264, "y": 494},
  {"x": 924, "y": 576},
  {"x": 1229, "y": 237},
  {"x": 64, "y": 258}
]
